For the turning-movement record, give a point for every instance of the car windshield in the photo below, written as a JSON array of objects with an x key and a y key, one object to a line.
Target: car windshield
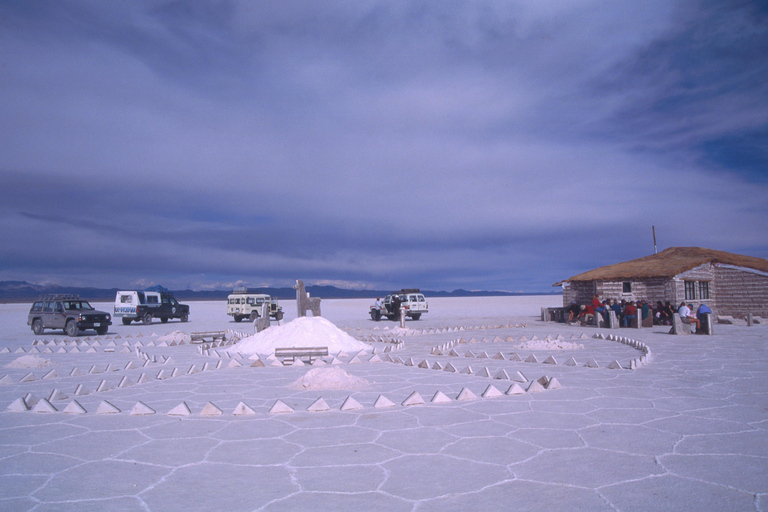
[{"x": 79, "y": 305}]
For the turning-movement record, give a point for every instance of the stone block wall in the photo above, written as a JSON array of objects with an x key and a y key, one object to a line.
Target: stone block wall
[
  {"x": 740, "y": 291},
  {"x": 609, "y": 290},
  {"x": 649, "y": 290},
  {"x": 579, "y": 291}
]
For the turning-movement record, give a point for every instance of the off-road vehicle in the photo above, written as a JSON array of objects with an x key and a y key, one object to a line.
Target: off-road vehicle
[
  {"x": 411, "y": 300},
  {"x": 242, "y": 303},
  {"x": 66, "y": 312},
  {"x": 143, "y": 306}
]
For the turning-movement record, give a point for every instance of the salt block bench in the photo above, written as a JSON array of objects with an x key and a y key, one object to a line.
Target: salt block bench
[
  {"x": 204, "y": 336},
  {"x": 554, "y": 314},
  {"x": 678, "y": 327},
  {"x": 728, "y": 319},
  {"x": 291, "y": 353}
]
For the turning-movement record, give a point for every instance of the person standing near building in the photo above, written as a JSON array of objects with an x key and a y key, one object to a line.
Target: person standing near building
[{"x": 396, "y": 306}]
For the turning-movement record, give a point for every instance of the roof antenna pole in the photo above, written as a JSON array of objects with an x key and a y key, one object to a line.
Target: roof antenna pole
[{"x": 655, "y": 251}]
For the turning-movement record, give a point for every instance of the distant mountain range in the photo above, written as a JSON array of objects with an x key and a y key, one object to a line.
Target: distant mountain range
[{"x": 22, "y": 291}]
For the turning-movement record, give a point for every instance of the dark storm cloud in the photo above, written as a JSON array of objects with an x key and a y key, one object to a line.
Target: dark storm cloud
[{"x": 496, "y": 145}]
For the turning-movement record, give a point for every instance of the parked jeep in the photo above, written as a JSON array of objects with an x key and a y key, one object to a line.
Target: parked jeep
[
  {"x": 410, "y": 300},
  {"x": 143, "y": 306},
  {"x": 66, "y": 312},
  {"x": 243, "y": 303}
]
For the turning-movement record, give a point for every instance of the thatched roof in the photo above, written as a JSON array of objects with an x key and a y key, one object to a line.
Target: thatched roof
[{"x": 669, "y": 263}]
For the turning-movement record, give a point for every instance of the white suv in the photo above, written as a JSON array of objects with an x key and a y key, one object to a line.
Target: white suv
[
  {"x": 412, "y": 301},
  {"x": 243, "y": 304}
]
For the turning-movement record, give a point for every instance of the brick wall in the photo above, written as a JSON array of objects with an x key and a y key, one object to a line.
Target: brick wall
[
  {"x": 649, "y": 290},
  {"x": 579, "y": 291},
  {"x": 740, "y": 291}
]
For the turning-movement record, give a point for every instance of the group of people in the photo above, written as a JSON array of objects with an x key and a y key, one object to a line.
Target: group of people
[
  {"x": 665, "y": 312},
  {"x": 627, "y": 312},
  {"x": 391, "y": 308}
]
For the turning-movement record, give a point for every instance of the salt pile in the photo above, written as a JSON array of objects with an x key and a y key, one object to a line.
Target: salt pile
[
  {"x": 30, "y": 361},
  {"x": 307, "y": 331},
  {"x": 548, "y": 345},
  {"x": 329, "y": 378}
]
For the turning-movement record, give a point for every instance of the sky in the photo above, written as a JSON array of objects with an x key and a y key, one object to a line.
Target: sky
[{"x": 484, "y": 145}]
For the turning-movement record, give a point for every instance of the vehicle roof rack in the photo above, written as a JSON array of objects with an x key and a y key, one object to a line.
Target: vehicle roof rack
[
  {"x": 245, "y": 289},
  {"x": 59, "y": 296},
  {"x": 409, "y": 290},
  {"x": 158, "y": 289}
]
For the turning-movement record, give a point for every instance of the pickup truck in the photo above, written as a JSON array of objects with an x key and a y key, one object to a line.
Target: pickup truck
[
  {"x": 411, "y": 300},
  {"x": 66, "y": 312},
  {"x": 144, "y": 306}
]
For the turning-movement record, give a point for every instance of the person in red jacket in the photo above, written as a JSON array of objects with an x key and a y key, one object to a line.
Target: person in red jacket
[
  {"x": 587, "y": 314},
  {"x": 629, "y": 314}
]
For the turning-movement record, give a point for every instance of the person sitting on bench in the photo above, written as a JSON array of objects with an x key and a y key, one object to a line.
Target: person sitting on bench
[
  {"x": 630, "y": 314},
  {"x": 687, "y": 316},
  {"x": 703, "y": 310},
  {"x": 587, "y": 314},
  {"x": 573, "y": 311}
]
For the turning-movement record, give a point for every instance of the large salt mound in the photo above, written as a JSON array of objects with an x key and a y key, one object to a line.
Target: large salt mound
[
  {"x": 329, "y": 378},
  {"x": 305, "y": 331}
]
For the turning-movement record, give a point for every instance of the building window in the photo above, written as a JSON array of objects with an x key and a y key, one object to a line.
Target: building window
[
  {"x": 704, "y": 290},
  {"x": 626, "y": 287},
  {"x": 696, "y": 290},
  {"x": 690, "y": 290}
]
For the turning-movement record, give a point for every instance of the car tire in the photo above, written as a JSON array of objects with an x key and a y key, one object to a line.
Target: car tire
[
  {"x": 254, "y": 316},
  {"x": 164, "y": 319},
  {"x": 238, "y": 318},
  {"x": 279, "y": 316},
  {"x": 184, "y": 317},
  {"x": 147, "y": 318},
  {"x": 101, "y": 331},
  {"x": 416, "y": 316},
  {"x": 126, "y": 321},
  {"x": 71, "y": 329},
  {"x": 37, "y": 326}
]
